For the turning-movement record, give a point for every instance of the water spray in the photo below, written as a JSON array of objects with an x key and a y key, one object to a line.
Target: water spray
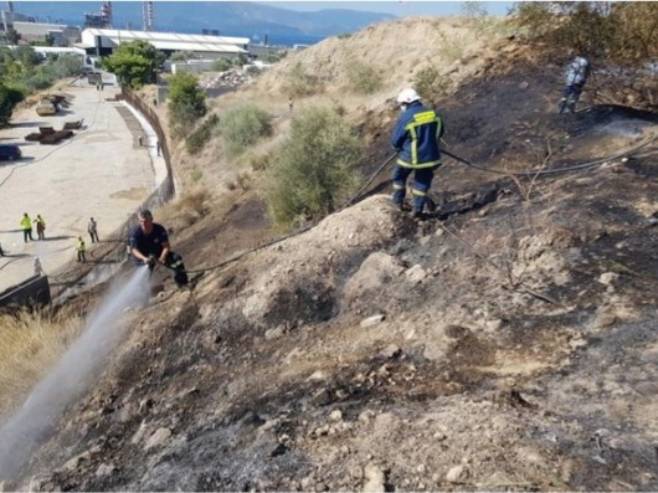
[{"x": 69, "y": 378}]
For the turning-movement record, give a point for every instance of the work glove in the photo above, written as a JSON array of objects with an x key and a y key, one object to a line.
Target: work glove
[{"x": 151, "y": 261}]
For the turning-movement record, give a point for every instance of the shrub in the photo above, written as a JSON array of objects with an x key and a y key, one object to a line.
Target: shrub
[
  {"x": 253, "y": 70},
  {"x": 623, "y": 31},
  {"x": 344, "y": 35},
  {"x": 364, "y": 79},
  {"x": 221, "y": 64},
  {"x": 452, "y": 48},
  {"x": 312, "y": 172},
  {"x": 195, "y": 202},
  {"x": 274, "y": 57},
  {"x": 430, "y": 84},
  {"x": 198, "y": 139},
  {"x": 300, "y": 83},
  {"x": 243, "y": 126},
  {"x": 187, "y": 102},
  {"x": 9, "y": 97},
  {"x": 181, "y": 56},
  {"x": 134, "y": 63}
]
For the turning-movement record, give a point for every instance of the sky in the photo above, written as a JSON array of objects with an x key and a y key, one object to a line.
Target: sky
[{"x": 397, "y": 7}]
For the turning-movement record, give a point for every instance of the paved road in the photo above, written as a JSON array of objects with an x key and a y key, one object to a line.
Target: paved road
[{"x": 101, "y": 172}]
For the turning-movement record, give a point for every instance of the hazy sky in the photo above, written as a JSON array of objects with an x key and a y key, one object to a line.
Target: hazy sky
[{"x": 400, "y": 8}]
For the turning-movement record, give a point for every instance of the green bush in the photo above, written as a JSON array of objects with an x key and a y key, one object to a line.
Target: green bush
[
  {"x": 430, "y": 84},
  {"x": 200, "y": 137},
  {"x": 243, "y": 126},
  {"x": 299, "y": 83},
  {"x": 275, "y": 56},
  {"x": 187, "y": 103},
  {"x": 312, "y": 172},
  {"x": 221, "y": 64},
  {"x": 9, "y": 98},
  {"x": 364, "y": 79},
  {"x": 134, "y": 63}
]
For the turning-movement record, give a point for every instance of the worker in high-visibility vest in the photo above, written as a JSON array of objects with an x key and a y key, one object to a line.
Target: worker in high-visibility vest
[
  {"x": 81, "y": 248},
  {"x": 26, "y": 226}
]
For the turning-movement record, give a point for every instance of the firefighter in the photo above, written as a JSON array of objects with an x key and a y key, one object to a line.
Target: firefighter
[
  {"x": 416, "y": 139},
  {"x": 575, "y": 77},
  {"x": 149, "y": 245}
]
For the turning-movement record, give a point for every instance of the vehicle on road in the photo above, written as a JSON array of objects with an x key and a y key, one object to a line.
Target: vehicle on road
[{"x": 10, "y": 152}]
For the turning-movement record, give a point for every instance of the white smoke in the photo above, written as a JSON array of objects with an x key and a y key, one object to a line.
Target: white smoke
[{"x": 71, "y": 375}]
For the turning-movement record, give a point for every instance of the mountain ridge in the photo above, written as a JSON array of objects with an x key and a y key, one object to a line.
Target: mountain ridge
[{"x": 254, "y": 20}]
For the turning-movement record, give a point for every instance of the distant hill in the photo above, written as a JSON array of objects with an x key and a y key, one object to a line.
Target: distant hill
[{"x": 231, "y": 18}]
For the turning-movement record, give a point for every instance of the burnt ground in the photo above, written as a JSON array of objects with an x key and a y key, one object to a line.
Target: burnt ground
[{"x": 519, "y": 354}]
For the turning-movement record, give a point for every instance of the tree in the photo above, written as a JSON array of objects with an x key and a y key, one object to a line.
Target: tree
[
  {"x": 27, "y": 56},
  {"x": 187, "y": 102},
  {"x": 9, "y": 97},
  {"x": 134, "y": 63}
]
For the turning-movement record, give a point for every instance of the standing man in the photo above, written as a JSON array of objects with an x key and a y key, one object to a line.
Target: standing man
[
  {"x": 41, "y": 227},
  {"x": 92, "y": 230},
  {"x": 416, "y": 139},
  {"x": 149, "y": 244},
  {"x": 26, "y": 226},
  {"x": 575, "y": 77},
  {"x": 81, "y": 248},
  {"x": 38, "y": 268}
]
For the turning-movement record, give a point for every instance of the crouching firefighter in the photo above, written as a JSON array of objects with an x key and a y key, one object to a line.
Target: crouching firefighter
[
  {"x": 416, "y": 139},
  {"x": 149, "y": 245}
]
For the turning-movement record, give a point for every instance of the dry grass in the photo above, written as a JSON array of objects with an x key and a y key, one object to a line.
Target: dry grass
[{"x": 30, "y": 343}]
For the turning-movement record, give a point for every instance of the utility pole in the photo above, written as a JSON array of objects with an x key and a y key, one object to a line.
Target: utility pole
[{"x": 147, "y": 16}]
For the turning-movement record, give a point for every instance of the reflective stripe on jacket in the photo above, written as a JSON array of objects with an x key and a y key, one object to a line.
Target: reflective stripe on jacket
[{"x": 416, "y": 137}]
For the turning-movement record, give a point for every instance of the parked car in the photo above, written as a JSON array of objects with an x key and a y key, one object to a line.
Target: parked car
[{"x": 10, "y": 152}]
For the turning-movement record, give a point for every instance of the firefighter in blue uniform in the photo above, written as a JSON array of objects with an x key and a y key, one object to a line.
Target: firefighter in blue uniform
[{"x": 416, "y": 138}]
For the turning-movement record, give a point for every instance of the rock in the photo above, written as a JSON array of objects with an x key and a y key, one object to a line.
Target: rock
[
  {"x": 391, "y": 351},
  {"x": 318, "y": 375},
  {"x": 607, "y": 278},
  {"x": 416, "y": 274},
  {"x": 274, "y": 333},
  {"x": 373, "y": 481},
  {"x": 105, "y": 470},
  {"x": 523, "y": 85},
  {"x": 367, "y": 416},
  {"x": 372, "y": 321},
  {"x": 158, "y": 438},
  {"x": 457, "y": 474},
  {"x": 493, "y": 325},
  {"x": 336, "y": 415},
  {"x": 75, "y": 462},
  {"x": 139, "y": 434}
]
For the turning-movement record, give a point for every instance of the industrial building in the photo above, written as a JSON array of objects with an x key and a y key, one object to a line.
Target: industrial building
[
  {"x": 101, "y": 42},
  {"x": 57, "y": 34}
]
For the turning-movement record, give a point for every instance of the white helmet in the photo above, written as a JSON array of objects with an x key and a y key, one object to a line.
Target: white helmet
[{"x": 408, "y": 96}]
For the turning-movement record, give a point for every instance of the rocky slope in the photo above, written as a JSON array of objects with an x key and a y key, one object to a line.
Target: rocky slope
[{"x": 510, "y": 345}]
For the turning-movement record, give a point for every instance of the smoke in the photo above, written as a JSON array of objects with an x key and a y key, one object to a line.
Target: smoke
[{"x": 71, "y": 375}]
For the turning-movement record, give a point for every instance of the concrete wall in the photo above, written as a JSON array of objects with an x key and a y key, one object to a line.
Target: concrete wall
[{"x": 34, "y": 292}]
